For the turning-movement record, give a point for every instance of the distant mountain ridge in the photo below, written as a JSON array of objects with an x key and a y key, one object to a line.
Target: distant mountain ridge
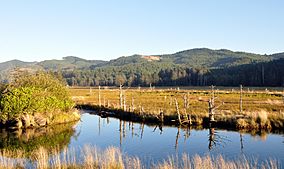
[
  {"x": 68, "y": 63},
  {"x": 145, "y": 69},
  {"x": 198, "y": 57},
  {"x": 14, "y": 63}
]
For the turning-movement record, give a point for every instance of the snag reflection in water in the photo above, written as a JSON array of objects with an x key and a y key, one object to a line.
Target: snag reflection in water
[{"x": 157, "y": 142}]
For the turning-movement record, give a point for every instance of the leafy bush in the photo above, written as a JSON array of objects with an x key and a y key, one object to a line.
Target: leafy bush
[{"x": 34, "y": 93}]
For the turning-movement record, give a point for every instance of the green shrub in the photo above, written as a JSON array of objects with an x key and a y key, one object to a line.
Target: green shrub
[
  {"x": 16, "y": 101},
  {"x": 30, "y": 93}
]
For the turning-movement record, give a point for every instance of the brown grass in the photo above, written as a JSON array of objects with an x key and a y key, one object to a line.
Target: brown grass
[
  {"x": 207, "y": 162},
  {"x": 260, "y": 109},
  {"x": 112, "y": 158}
]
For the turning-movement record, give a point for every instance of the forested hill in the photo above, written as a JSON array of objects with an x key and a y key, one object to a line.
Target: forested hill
[
  {"x": 196, "y": 67},
  {"x": 190, "y": 67},
  {"x": 197, "y": 58},
  {"x": 69, "y": 63}
]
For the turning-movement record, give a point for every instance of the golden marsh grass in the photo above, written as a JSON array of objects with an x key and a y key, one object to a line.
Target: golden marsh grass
[
  {"x": 260, "y": 109},
  {"x": 113, "y": 158}
]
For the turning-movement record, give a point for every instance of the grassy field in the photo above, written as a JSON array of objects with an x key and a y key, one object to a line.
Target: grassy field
[
  {"x": 260, "y": 108},
  {"x": 113, "y": 158}
]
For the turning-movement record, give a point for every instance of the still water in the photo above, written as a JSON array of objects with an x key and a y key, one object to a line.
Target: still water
[
  {"x": 155, "y": 143},
  {"x": 150, "y": 143}
]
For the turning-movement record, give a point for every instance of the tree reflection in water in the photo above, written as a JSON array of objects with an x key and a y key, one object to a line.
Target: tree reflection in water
[
  {"x": 160, "y": 128},
  {"x": 215, "y": 139},
  {"x": 28, "y": 140}
]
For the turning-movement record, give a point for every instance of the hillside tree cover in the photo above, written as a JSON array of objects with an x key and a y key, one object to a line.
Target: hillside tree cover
[{"x": 255, "y": 74}]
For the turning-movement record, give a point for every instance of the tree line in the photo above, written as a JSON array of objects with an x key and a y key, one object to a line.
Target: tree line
[{"x": 168, "y": 74}]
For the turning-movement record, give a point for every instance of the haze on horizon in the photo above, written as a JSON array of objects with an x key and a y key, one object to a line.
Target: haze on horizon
[{"x": 35, "y": 30}]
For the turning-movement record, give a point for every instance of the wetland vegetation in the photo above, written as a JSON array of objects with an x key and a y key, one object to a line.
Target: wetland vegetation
[
  {"x": 251, "y": 110},
  {"x": 113, "y": 158}
]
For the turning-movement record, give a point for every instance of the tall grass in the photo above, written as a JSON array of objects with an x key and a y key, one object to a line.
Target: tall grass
[
  {"x": 90, "y": 157},
  {"x": 208, "y": 162}
]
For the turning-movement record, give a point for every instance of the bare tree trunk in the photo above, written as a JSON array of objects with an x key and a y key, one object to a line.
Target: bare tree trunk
[
  {"x": 185, "y": 103},
  {"x": 120, "y": 96},
  {"x": 241, "y": 99},
  {"x": 132, "y": 104},
  {"x": 124, "y": 103},
  {"x": 211, "y": 105},
  {"x": 187, "y": 107},
  {"x": 211, "y": 110},
  {"x": 100, "y": 104},
  {"x": 177, "y": 109}
]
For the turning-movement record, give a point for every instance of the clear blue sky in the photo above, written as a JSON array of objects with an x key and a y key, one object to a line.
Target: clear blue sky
[{"x": 33, "y": 30}]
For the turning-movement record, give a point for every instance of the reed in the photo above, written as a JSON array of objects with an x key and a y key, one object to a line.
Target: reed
[
  {"x": 113, "y": 158},
  {"x": 208, "y": 162}
]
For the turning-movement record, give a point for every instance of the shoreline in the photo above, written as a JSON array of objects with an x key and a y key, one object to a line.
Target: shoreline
[
  {"x": 38, "y": 120},
  {"x": 153, "y": 119}
]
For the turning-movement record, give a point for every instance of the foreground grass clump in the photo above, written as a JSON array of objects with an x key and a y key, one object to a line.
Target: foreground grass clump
[
  {"x": 112, "y": 158},
  {"x": 35, "y": 99},
  {"x": 260, "y": 109}
]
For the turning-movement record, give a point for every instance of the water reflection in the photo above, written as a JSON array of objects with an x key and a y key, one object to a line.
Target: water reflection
[
  {"x": 28, "y": 140},
  {"x": 216, "y": 139},
  {"x": 241, "y": 141},
  {"x": 150, "y": 143},
  {"x": 160, "y": 126},
  {"x": 157, "y": 142}
]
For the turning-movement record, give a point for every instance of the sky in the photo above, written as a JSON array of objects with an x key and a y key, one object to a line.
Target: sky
[{"x": 34, "y": 30}]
